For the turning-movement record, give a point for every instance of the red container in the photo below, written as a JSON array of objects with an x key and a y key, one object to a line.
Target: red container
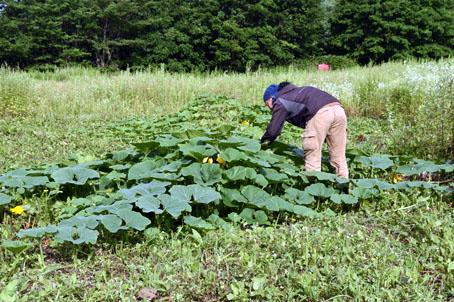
[{"x": 323, "y": 67}]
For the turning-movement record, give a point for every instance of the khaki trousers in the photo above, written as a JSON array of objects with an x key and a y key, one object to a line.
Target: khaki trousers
[{"x": 330, "y": 124}]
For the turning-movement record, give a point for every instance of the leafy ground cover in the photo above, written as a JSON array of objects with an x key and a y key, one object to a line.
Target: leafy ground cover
[
  {"x": 189, "y": 206},
  {"x": 204, "y": 176}
]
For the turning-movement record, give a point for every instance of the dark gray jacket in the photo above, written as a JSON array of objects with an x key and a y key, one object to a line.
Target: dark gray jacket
[{"x": 296, "y": 105}]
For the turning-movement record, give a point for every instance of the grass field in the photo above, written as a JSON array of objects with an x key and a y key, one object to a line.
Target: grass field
[{"x": 395, "y": 247}]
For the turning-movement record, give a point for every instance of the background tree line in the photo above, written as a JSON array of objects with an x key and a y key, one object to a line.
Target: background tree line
[{"x": 235, "y": 35}]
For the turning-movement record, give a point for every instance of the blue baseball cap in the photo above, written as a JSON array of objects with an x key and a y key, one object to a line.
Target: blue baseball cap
[{"x": 271, "y": 91}]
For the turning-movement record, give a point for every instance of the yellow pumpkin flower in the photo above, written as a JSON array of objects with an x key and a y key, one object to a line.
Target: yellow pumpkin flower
[
  {"x": 17, "y": 210},
  {"x": 220, "y": 160},
  {"x": 395, "y": 178},
  {"x": 207, "y": 160},
  {"x": 244, "y": 123}
]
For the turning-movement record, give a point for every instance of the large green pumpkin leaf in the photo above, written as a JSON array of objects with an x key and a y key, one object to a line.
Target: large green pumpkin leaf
[
  {"x": 197, "y": 134},
  {"x": 259, "y": 198},
  {"x": 447, "y": 167},
  {"x": 418, "y": 184},
  {"x": 172, "y": 155},
  {"x": 4, "y": 199},
  {"x": 438, "y": 188},
  {"x": 189, "y": 134},
  {"x": 65, "y": 234},
  {"x": 282, "y": 204},
  {"x": 289, "y": 171},
  {"x": 211, "y": 174},
  {"x": 231, "y": 195},
  {"x": 319, "y": 189},
  {"x": 271, "y": 158},
  {"x": 173, "y": 205},
  {"x": 168, "y": 141},
  {"x": 13, "y": 183},
  {"x": 203, "y": 194},
  {"x": 261, "y": 217},
  {"x": 33, "y": 181},
  {"x": 421, "y": 167},
  {"x": 153, "y": 188},
  {"x": 204, "y": 174},
  {"x": 74, "y": 175},
  {"x": 234, "y": 217},
  {"x": 80, "y": 222},
  {"x": 232, "y": 155},
  {"x": 272, "y": 205},
  {"x": 260, "y": 180},
  {"x": 257, "y": 162},
  {"x": 16, "y": 247},
  {"x": 305, "y": 212},
  {"x": 401, "y": 185},
  {"x": 172, "y": 167},
  {"x": 120, "y": 167},
  {"x": 376, "y": 161},
  {"x": 233, "y": 141},
  {"x": 83, "y": 174},
  {"x": 146, "y": 147},
  {"x": 382, "y": 185},
  {"x": 273, "y": 176},
  {"x": 37, "y": 232},
  {"x": 300, "y": 197},
  {"x": 247, "y": 215},
  {"x": 86, "y": 236},
  {"x": 250, "y": 173},
  {"x": 366, "y": 183},
  {"x": 17, "y": 173},
  {"x": 255, "y": 195},
  {"x": 63, "y": 175},
  {"x": 119, "y": 156},
  {"x": 149, "y": 203},
  {"x": 133, "y": 219},
  {"x": 321, "y": 175},
  {"x": 198, "y": 152},
  {"x": 112, "y": 223},
  {"x": 110, "y": 208},
  {"x": 142, "y": 170},
  {"x": 236, "y": 173},
  {"x": 163, "y": 176},
  {"x": 345, "y": 198},
  {"x": 251, "y": 145},
  {"x": 115, "y": 175},
  {"x": 198, "y": 223},
  {"x": 193, "y": 170},
  {"x": 181, "y": 192},
  {"x": 364, "y": 193},
  {"x": 218, "y": 221}
]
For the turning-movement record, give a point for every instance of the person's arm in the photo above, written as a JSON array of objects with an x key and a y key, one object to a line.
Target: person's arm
[{"x": 275, "y": 125}]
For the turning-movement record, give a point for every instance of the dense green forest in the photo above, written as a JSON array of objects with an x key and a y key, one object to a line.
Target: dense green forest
[{"x": 188, "y": 35}]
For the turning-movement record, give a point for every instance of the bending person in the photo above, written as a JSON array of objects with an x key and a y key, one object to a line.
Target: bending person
[{"x": 319, "y": 113}]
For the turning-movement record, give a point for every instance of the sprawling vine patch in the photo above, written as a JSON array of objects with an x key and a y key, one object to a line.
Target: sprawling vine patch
[{"x": 205, "y": 173}]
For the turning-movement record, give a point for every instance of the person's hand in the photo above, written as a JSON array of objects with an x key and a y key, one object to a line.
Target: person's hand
[{"x": 264, "y": 146}]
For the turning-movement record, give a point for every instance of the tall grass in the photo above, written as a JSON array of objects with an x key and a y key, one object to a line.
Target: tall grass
[
  {"x": 89, "y": 93},
  {"x": 403, "y": 94}
]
